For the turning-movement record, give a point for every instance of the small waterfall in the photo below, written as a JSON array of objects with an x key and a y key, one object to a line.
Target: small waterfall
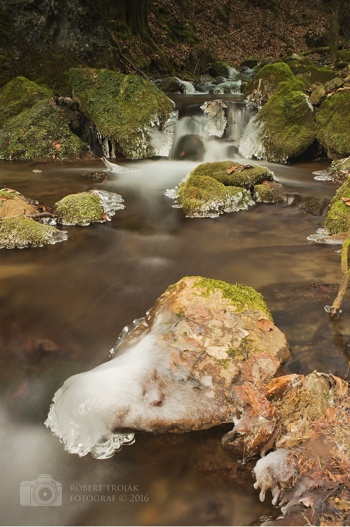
[{"x": 197, "y": 140}]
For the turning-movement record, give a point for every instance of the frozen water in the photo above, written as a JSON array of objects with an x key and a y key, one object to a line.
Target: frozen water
[
  {"x": 321, "y": 236},
  {"x": 215, "y": 119},
  {"x": 162, "y": 140},
  {"x": 110, "y": 201},
  {"x": 322, "y": 175},
  {"x": 250, "y": 145},
  {"x": 275, "y": 468}
]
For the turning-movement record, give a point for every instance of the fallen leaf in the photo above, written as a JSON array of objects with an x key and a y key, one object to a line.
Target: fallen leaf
[
  {"x": 346, "y": 201},
  {"x": 265, "y": 325},
  {"x": 231, "y": 169}
]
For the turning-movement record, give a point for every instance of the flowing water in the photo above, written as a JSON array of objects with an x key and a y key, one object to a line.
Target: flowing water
[{"x": 62, "y": 308}]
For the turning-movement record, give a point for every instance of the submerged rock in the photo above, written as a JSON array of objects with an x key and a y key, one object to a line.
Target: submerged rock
[
  {"x": 172, "y": 371},
  {"x": 94, "y": 206},
  {"x": 24, "y": 232},
  {"x": 126, "y": 109}
]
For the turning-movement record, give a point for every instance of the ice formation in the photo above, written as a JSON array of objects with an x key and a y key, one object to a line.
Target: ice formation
[
  {"x": 110, "y": 201},
  {"x": 215, "y": 118},
  {"x": 321, "y": 236},
  {"x": 277, "y": 467},
  {"x": 162, "y": 140},
  {"x": 250, "y": 145}
]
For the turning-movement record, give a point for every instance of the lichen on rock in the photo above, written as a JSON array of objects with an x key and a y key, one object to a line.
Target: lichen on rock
[
  {"x": 24, "y": 232},
  {"x": 124, "y": 108}
]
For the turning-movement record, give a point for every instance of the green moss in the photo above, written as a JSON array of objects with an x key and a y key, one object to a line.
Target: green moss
[
  {"x": 10, "y": 195},
  {"x": 267, "y": 194},
  {"x": 288, "y": 123},
  {"x": 204, "y": 196},
  {"x": 247, "y": 178},
  {"x": 23, "y": 232},
  {"x": 18, "y": 94},
  {"x": 242, "y": 297},
  {"x": 270, "y": 75},
  {"x": 40, "y": 133},
  {"x": 332, "y": 124},
  {"x": 79, "y": 209},
  {"x": 311, "y": 73},
  {"x": 337, "y": 217},
  {"x": 121, "y": 106},
  {"x": 313, "y": 205}
]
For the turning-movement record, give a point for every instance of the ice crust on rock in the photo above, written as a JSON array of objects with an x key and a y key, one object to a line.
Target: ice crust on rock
[
  {"x": 215, "y": 118},
  {"x": 250, "y": 145},
  {"x": 110, "y": 201},
  {"x": 275, "y": 468}
]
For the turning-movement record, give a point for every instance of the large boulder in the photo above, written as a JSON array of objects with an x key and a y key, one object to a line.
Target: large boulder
[
  {"x": 284, "y": 127},
  {"x": 267, "y": 79},
  {"x": 332, "y": 125},
  {"x": 172, "y": 371},
  {"x": 32, "y": 128},
  {"x": 127, "y": 110}
]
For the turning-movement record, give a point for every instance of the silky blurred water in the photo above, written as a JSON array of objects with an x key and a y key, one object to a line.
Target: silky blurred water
[{"x": 62, "y": 308}]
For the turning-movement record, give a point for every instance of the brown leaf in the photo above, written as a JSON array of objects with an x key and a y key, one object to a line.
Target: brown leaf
[
  {"x": 265, "y": 325},
  {"x": 346, "y": 201},
  {"x": 231, "y": 169}
]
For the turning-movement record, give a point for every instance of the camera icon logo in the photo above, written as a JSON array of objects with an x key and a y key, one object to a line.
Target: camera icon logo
[{"x": 42, "y": 492}]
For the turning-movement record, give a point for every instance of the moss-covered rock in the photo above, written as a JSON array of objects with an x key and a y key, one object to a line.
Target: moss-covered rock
[
  {"x": 313, "y": 205},
  {"x": 245, "y": 176},
  {"x": 338, "y": 214},
  {"x": 285, "y": 125},
  {"x": 124, "y": 108},
  {"x": 40, "y": 133},
  {"x": 25, "y": 232},
  {"x": 80, "y": 209},
  {"x": 265, "y": 193},
  {"x": 312, "y": 74},
  {"x": 332, "y": 125},
  {"x": 204, "y": 196},
  {"x": 268, "y": 78},
  {"x": 13, "y": 204},
  {"x": 18, "y": 94}
]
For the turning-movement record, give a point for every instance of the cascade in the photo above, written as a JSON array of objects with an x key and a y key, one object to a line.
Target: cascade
[{"x": 204, "y": 134}]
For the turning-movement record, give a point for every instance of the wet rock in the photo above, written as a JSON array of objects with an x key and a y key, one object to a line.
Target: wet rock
[
  {"x": 333, "y": 84},
  {"x": 95, "y": 206},
  {"x": 189, "y": 146},
  {"x": 269, "y": 192},
  {"x": 172, "y": 371},
  {"x": 233, "y": 87},
  {"x": 313, "y": 205},
  {"x": 126, "y": 109},
  {"x": 215, "y": 118},
  {"x": 174, "y": 85},
  {"x": 21, "y": 232}
]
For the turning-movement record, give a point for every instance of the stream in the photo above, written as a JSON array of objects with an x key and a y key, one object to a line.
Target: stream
[{"x": 62, "y": 308}]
